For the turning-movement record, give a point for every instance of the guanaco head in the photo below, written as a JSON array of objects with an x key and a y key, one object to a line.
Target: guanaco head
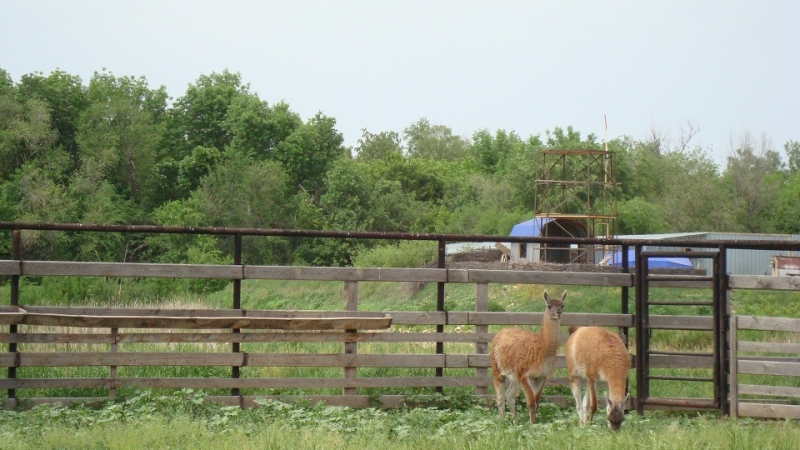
[
  {"x": 554, "y": 307},
  {"x": 615, "y": 412}
]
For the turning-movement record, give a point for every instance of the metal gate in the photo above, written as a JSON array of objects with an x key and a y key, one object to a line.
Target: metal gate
[{"x": 643, "y": 280}]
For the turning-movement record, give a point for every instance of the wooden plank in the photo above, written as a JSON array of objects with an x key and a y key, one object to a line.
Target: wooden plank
[
  {"x": 415, "y": 275},
  {"x": 8, "y": 359},
  {"x": 768, "y": 368},
  {"x": 324, "y": 336},
  {"x": 681, "y": 322},
  {"x": 345, "y": 274},
  {"x": 773, "y": 391},
  {"x": 769, "y": 323},
  {"x": 768, "y": 347},
  {"x": 139, "y": 270},
  {"x": 155, "y": 312},
  {"x": 545, "y": 277},
  {"x": 55, "y": 383},
  {"x": 501, "y": 318},
  {"x": 72, "y": 359},
  {"x": 311, "y": 273},
  {"x": 764, "y": 282},
  {"x": 768, "y": 411},
  {"x": 11, "y": 318},
  {"x": 58, "y": 338},
  {"x": 310, "y": 313},
  {"x": 418, "y": 318},
  {"x": 340, "y": 323},
  {"x": 302, "y": 383},
  {"x": 10, "y": 268},
  {"x": 342, "y": 360},
  {"x": 398, "y": 317},
  {"x": 458, "y": 275}
]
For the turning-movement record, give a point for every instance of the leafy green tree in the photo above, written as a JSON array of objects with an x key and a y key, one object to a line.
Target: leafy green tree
[
  {"x": 792, "y": 149},
  {"x": 347, "y": 204},
  {"x": 242, "y": 192},
  {"x": 753, "y": 176},
  {"x": 256, "y": 128},
  {"x": 309, "y": 151},
  {"x": 198, "y": 118},
  {"x": 570, "y": 139},
  {"x": 42, "y": 199},
  {"x": 493, "y": 153},
  {"x": 378, "y": 146},
  {"x": 786, "y": 210},
  {"x": 638, "y": 216},
  {"x": 432, "y": 141},
  {"x": 65, "y": 96},
  {"x": 119, "y": 133},
  {"x": 26, "y": 136}
]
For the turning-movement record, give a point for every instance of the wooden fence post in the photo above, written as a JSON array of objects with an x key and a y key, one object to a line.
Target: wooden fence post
[
  {"x": 734, "y": 382},
  {"x": 112, "y": 372},
  {"x": 481, "y": 305},
  {"x": 350, "y": 348}
]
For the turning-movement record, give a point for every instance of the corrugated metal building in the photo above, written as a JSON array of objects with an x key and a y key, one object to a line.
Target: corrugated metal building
[{"x": 739, "y": 261}]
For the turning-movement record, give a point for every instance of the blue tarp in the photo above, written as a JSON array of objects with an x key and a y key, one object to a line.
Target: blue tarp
[
  {"x": 530, "y": 228},
  {"x": 652, "y": 262}
]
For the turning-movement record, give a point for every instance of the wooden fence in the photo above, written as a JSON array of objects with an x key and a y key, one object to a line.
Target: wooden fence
[
  {"x": 764, "y": 400},
  {"x": 115, "y": 335},
  {"x": 129, "y": 326}
]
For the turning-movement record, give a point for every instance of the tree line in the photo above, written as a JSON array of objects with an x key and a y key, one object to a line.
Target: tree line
[{"x": 117, "y": 151}]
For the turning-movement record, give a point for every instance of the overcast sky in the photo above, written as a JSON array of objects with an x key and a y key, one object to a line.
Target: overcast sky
[{"x": 727, "y": 66}]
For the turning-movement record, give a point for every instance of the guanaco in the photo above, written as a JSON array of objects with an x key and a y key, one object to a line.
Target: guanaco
[
  {"x": 521, "y": 357},
  {"x": 595, "y": 353}
]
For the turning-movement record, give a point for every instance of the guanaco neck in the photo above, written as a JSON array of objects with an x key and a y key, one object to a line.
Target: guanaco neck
[
  {"x": 616, "y": 389},
  {"x": 550, "y": 334}
]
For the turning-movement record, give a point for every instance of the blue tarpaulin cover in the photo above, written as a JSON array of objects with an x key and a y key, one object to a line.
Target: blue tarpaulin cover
[{"x": 652, "y": 262}]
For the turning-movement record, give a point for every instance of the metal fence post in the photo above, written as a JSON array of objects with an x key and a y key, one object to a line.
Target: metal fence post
[
  {"x": 724, "y": 314},
  {"x": 237, "y": 304},
  {"x": 440, "y": 307},
  {"x": 16, "y": 254},
  {"x": 350, "y": 348}
]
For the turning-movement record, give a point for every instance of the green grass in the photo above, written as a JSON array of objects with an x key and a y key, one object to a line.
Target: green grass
[{"x": 184, "y": 421}]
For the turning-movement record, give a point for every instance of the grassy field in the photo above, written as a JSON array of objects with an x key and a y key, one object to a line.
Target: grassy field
[{"x": 184, "y": 421}]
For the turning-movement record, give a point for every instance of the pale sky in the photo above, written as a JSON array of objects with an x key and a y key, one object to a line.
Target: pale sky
[{"x": 727, "y": 66}]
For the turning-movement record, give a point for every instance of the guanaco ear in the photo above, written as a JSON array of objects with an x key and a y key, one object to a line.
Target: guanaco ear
[
  {"x": 564, "y": 296},
  {"x": 546, "y": 299}
]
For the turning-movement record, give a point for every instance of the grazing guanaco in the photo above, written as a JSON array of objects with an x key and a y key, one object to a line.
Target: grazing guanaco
[
  {"x": 526, "y": 359},
  {"x": 595, "y": 353}
]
